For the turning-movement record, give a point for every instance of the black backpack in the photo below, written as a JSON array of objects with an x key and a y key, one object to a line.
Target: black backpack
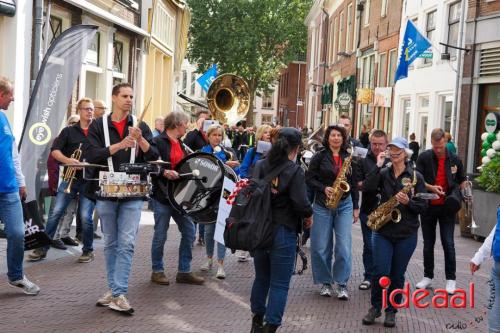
[{"x": 249, "y": 226}]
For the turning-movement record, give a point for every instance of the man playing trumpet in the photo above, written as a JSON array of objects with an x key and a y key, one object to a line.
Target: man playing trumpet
[{"x": 66, "y": 148}]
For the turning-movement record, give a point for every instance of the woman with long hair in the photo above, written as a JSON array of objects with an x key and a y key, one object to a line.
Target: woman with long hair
[
  {"x": 289, "y": 204},
  {"x": 215, "y": 135},
  {"x": 394, "y": 243},
  {"x": 323, "y": 169},
  {"x": 252, "y": 156}
]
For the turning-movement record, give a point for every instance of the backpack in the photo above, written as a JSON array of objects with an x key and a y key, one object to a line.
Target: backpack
[{"x": 249, "y": 226}]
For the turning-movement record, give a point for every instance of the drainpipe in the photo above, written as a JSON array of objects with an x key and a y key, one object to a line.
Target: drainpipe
[
  {"x": 325, "y": 51},
  {"x": 454, "y": 118},
  {"x": 472, "y": 135},
  {"x": 37, "y": 41},
  {"x": 360, "y": 7}
]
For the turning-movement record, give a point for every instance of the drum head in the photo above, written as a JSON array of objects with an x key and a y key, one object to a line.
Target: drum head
[{"x": 199, "y": 198}]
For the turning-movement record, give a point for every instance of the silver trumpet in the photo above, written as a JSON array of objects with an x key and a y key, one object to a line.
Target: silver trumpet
[{"x": 469, "y": 202}]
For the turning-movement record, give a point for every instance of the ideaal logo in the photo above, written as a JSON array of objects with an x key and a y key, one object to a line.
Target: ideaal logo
[
  {"x": 439, "y": 300},
  {"x": 40, "y": 134}
]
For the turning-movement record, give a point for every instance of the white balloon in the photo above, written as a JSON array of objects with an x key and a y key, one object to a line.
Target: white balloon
[
  {"x": 485, "y": 160},
  {"x": 484, "y": 136},
  {"x": 496, "y": 145},
  {"x": 491, "y": 152}
]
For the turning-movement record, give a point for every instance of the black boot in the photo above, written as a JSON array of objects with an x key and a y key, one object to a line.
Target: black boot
[
  {"x": 257, "y": 323},
  {"x": 390, "y": 319},
  {"x": 369, "y": 319},
  {"x": 268, "y": 328}
]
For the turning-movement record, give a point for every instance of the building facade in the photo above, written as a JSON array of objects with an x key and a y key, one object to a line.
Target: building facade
[
  {"x": 168, "y": 23},
  {"x": 316, "y": 22},
  {"x": 266, "y": 108},
  {"x": 291, "y": 88},
  {"x": 380, "y": 25},
  {"x": 480, "y": 89},
  {"x": 15, "y": 39},
  {"x": 426, "y": 98}
]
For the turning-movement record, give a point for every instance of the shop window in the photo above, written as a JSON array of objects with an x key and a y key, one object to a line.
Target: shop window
[{"x": 118, "y": 56}]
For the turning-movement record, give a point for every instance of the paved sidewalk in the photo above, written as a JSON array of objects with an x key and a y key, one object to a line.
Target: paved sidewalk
[{"x": 69, "y": 291}]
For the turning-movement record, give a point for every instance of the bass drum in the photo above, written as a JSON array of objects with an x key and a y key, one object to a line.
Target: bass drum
[{"x": 199, "y": 197}]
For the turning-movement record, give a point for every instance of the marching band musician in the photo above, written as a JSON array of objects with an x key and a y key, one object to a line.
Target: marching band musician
[
  {"x": 289, "y": 204},
  {"x": 252, "y": 156},
  {"x": 64, "y": 147},
  {"x": 444, "y": 175},
  {"x": 323, "y": 169},
  {"x": 378, "y": 143},
  {"x": 171, "y": 150},
  {"x": 215, "y": 134},
  {"x": 394, "y": 244},
  {"x": 120, "y": 217}
]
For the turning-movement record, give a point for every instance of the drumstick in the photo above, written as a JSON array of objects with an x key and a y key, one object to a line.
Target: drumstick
[{"x": 141, "y": 116}]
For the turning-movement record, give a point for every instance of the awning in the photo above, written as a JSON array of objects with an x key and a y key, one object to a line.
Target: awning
[
  {"x": 97, "y": 11},
  {"x": 8, "y": 7}
]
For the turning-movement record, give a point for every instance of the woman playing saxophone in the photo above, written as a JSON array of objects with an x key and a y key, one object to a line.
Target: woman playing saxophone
[
  {"x": 328, "y": 165},
  {"x": 394, "y": 243}
]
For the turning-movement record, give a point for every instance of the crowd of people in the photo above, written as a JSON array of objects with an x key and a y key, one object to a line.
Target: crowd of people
[{"x": 300, "y": 201}]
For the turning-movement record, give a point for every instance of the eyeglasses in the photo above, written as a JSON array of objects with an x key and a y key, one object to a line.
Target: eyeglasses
[
  {"x": 395, "y": 154},
  {"x": 89, "y": 109}
]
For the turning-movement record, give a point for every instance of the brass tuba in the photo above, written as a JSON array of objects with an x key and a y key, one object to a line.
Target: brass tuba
[
  {"x": 340, "y": 185},
  {"x": 69, "y": 174},
  {"x": 228, "y": 99}
]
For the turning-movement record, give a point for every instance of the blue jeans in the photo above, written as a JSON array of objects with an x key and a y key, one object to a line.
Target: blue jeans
[
  {"x": 446, "y": 230},
  {"x": 87, "y": 215},
  {"x": 11, "y": 214},
  {"x": 210, "y": 242},
  {"x": 367, "y": 247},
  {"x": 273, "y": 272},
  {"x": 120, "y": 223},
  {"x": 62, "y": 202},
  {"x": 162, "y": 214},
  {"x": 494, "y": 314},
  {"x": 326, "y": 222},
  {"x": 390, "y": 258},
  {"x": 201, "y": 231}
]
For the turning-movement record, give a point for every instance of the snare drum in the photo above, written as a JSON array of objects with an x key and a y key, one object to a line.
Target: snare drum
[
  {"x": 199, "y": 198},
  {"x": 123, "y": 185}
]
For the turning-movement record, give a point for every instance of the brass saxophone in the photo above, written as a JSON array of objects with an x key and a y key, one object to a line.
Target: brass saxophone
[
  {"x": 340, "y": 185},
  {"x": 387, "y": 211}
]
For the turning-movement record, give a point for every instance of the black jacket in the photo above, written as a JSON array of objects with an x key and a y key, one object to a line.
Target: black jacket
[
  {"x": 427, "y": 165},
  {"x": 195, "y": 140},
  {"x": 97, "y": 152},
  {"x": 370, "y": 199},
  {"x": 320, "y": 175},
  {"x": 239, "y": 138},
  {"x": 290, "y": 205},
  {"x": 163, "y": 146},
  {"x": 383, "y": 181},
  {"x": 68, "y": 141}
]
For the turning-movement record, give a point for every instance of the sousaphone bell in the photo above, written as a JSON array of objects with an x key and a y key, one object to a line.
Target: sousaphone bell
[{"x": 228, "y": 99}]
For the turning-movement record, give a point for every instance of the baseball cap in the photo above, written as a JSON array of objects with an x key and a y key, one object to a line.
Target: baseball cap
[
  {"x": 292, "y": 135},
  {"x": 399, "y": 142}
]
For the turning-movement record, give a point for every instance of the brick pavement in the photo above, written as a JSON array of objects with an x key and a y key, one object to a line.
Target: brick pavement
[{"x": 69, "y": 291}]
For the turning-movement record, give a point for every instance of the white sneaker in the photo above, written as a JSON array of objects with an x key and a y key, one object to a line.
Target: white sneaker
[
  {"x": 424, "y": 283},
  {"x": 342, "y": 293},
  {"x": 207, "y": 266},
  {"x": 220, "y": 273},
  {"x": 242, "y": 256},
  {"x": 29, "y": 288},
  {"x": 326, "y": 290},
  {"x": 105, "y": 299},
  {"x": 121, "y": 304},
  {"x": 451, "y": 286}
]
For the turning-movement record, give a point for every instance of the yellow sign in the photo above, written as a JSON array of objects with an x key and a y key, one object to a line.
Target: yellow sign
[{"x": 364, "y": 96}]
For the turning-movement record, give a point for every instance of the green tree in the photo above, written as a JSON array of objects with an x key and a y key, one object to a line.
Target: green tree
[{"x": 254, "y": 39}]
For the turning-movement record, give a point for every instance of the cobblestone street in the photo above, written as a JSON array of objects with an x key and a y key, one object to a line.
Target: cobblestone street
[{"x": 69, "y": 291}]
